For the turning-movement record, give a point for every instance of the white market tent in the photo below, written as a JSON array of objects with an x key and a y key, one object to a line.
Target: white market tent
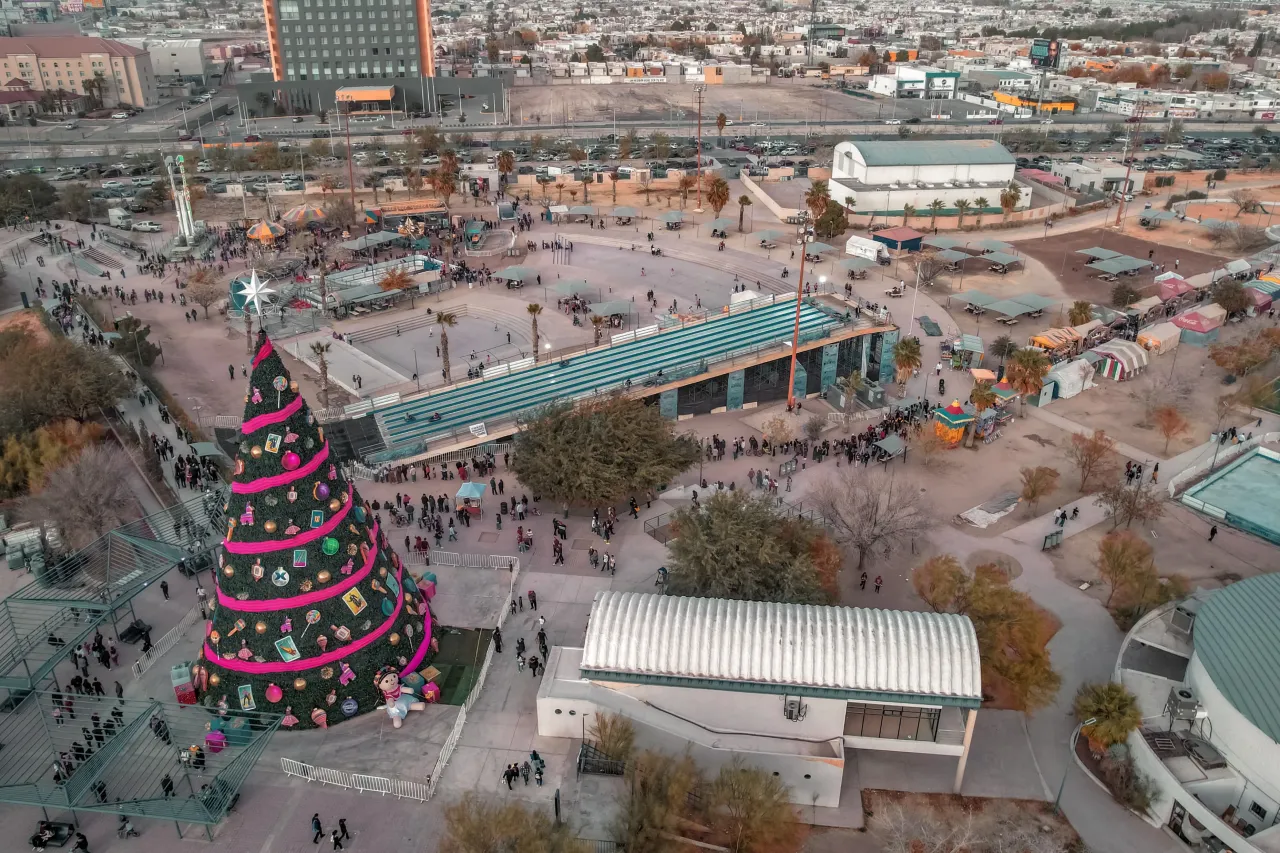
[
  {"x": 1160, "y": 337},
  {"x": 779, "y": 648},
  {"x": 1071, "y": 377},
  {"x": 1123, "y": 359}
]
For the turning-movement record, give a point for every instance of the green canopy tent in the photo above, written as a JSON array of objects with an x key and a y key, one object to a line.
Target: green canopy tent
[
  {"x": 952, "y": 256},
  {"x": 1009, "y": 308},
  {"x": 515, "y": 273},
  {"x": 1118, "y": 265},
  {"x": 624, "y": 212},
  {"x": 1035, "y": 301},
  {"x": 571, "y": 287},
  {"x": 1100, "y": 254},
  {"x": 582, "y": 210},
  {"x": 721, "y": 223},
  {"x": 856, "y": 263},
  {"x": 670, "y": 216},
  {"x": 992, "y": 245},
  {"x": 942, "y": 241},
  {"x": 1002, "y": 258}
]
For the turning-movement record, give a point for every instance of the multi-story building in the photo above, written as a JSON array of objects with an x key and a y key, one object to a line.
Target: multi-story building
[
  {"x": 67, "y": 63},
  {"x": 910, "y": 81},
  {"x": 341, "y": 40},
  {"x": 177, "y": 60}
]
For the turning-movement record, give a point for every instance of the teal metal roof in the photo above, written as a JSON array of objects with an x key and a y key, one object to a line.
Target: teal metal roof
[
  {"x": 1237, "y": 639},
  {"x": 899, "y": 153}
]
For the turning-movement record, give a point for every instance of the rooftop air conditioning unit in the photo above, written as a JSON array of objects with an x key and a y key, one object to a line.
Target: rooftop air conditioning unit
[
  {"x": 793, "y": 709},
  {"x": 1184, "y": 704},
  {"x": 1183, "y": 618}
]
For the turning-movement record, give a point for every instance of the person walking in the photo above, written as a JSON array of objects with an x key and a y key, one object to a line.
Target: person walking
[
  {"x": 337, "y": 840},
  {"x": 862, "y": 582},
  {"x": 879, "y": 582},
  {"x": 166, "y": 786},
  {"x": 342, "y": 829},
  {"x": 164, "y": 589},
  {"x": 316, "y": 828},
  {"x": 1213, "y": 532},
  {"x": 533, "y": 600}
]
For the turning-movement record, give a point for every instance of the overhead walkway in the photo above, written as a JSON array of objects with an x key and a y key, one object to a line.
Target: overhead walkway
[{"x": 656, "y": 360}]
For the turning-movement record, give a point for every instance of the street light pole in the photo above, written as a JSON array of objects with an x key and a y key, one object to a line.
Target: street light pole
[
  {"x": 699, "y": 89},
  {"x": 795, "y": 332}
]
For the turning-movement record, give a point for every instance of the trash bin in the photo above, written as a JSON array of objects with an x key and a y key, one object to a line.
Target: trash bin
[{"x": 504, "y": 508}]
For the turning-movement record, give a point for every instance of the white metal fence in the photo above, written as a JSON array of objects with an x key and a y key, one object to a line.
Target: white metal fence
[
  {"x": 167, "y": 642},
  {"x": 469, "y": 561},
  {"x": 401, "y": 789},
  {"x": 1227, "y": 454}
]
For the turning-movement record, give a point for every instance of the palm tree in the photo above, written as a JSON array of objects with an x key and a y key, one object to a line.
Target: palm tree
[
  {"x": 908, "y": 211},
  {"x": 721, "y": 121},
  {"x": 560, "y": 187},
  {"x": 962, "y": 207},
  {"x": 935, "y": 207},
  {"x": 597, "y": 327},
  {"x": 744, "y": 201},
  {"x": 850, "y": 386},
  {"x": 983, "y": 397},
  {"x": 506, "y": 163},
  {"x": 1027, "y": 369},
  {"x": 1003, "y": 347},
  {"x": 981, "y": 204},
  {"x": 447, "y": 320},
  {"x": 817, "y": 197},
  {"x": 320, "y": 349},
  {"x": 906, "y": 358},
  {"x": 1113, "y": 709},
  {"x": 613, "y": 179},
  {"x": 718, "y": 194},
  {"x": 1009, "y": 198},
  {"x": 687, "y": 182},
  {"x": 1081, "y": 312},
  {"x": 534, "y": 310}
]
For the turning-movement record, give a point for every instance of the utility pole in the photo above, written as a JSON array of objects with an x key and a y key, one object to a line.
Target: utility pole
[
  {"x": 1124, "y": 190},
  {"x": 351, "y": 175},
  {"x": 795, "y": 332},
  {"x": 699, "y": 89}
]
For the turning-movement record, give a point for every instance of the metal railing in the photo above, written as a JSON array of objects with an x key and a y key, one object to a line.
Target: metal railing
[
  {"x": 167, "y": 642},
  {"x": 401, "y": 789},
  {"x": 591, "y": 759},
  {"x": 1220, "y": 458}
]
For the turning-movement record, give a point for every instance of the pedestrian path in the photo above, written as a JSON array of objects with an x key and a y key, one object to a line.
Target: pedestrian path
[{"x": 1068, "y": 425}]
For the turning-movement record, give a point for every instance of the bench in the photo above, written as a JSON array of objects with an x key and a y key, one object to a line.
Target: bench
[
  {"x": 62, "y": 833},
  {"x": 135, "y": 631}
]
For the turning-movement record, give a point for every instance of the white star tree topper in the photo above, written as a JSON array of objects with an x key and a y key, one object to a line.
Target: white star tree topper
[{"x": 254, "y": 291}]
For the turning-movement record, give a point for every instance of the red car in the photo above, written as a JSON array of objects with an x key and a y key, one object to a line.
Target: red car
[{"x": 253, "y": 137}]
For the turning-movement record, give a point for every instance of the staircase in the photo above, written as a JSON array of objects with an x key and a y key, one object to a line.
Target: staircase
[
  {"x": 101, "y": 258},
  {"x": 415, "y": 321}
]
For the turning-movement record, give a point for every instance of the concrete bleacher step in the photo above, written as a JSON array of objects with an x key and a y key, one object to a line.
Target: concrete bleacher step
[
  {"x": 102, "y": 258},
  {"x": 748, "y": 274},
  {"x": 415, "y": 321}
]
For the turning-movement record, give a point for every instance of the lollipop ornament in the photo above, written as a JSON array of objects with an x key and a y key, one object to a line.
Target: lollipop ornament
[{"x": 313, "y": 616}]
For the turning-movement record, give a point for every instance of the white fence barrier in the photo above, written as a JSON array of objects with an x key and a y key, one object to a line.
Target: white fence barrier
[
  {"x": 469, "y": 561},
  {"x": 167, "y": 642},
  {"x": 1228, "y": 453},
  {"x": 399, "y": 788}
]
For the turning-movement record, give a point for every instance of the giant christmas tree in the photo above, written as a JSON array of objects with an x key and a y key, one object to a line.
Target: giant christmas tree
[{"x": 311, "y": 600}]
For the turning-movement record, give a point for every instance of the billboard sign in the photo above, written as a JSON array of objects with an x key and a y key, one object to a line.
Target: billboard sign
[{"x": 1044, "y": 53}]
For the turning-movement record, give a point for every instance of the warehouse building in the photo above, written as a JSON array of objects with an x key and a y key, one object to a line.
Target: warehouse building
[
  {"x": 787, "y": 688},
  {"x": 882, "y": 177}
]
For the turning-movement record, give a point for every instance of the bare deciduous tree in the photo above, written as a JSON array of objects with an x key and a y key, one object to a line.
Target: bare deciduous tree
[
  {"x": 205, "y": 289},
  {"x": 87, "y": 496},
  {"x": 1091, "y": 455},
  {"x": 871, "y": 512}
]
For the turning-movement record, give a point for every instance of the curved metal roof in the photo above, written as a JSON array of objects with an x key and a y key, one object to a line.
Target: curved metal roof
[
  {"x": 851, "y": 652},
  {"x": 1237, "y": 639}
]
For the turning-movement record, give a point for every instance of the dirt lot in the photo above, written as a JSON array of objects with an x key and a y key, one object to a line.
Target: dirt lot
[
  {"x": 1059, "y": 256},
  {"x": 908, "y": 822},
  {"x": 24, "y": 320},
  {"x": 777, "y": 99}
]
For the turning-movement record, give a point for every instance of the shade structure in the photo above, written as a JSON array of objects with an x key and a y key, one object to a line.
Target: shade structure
[
  {"x": 473, "y": 490},
  {"x": 1122, "y": 359},
  {"x": 981, "y": 374},
  {"x": 970, "y": 343},
  {"x": 856, "y": 263},
  {"x": 1052, "y": 339},
  {"x": 890, "y": 447},
  {"x": 991, "y": 245},
  {"x": 369, "y": 241},
  {"x": 624, "y": 212},
  {"x": 818, "y": 248},
  {"x": 1264, "y": 285},
  {"x": 1160, "y": 337},
  {"x": 1118, "y": 264},
  {"x": 1100, "y": 254},
  {"x": 975, "y": 297},
  {"x": 1004, "y": 391},
  {"x": 615, "y": 306},
  {"x": 1009, "y": 308},
  {"x": 515, "y": 273},
  {"x": 770, "y": 235},
  {"x": 941, "y": 241},
  {"x": 571, "y": 287},
  {"x": 1003, "y": 258},
  {"x": 303, "y": 214},
  {"x": 582, "y": 210},
  {"x": 1034, "y": 301},
  {"x": 952, "y": 256},
  {"x": 1171, "y": 288},
  {"x": 265, "y": 231},
  {"x": 670, "y": 216},
  {"x": 722, "y": 223}
]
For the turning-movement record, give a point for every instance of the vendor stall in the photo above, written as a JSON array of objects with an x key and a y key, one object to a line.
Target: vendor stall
[
  {"x": 469, "y": 498},
  {"x": 1175, "y": 287},
  {"x": 1160, "y": 337},
  {"x": 1065, "y": 380},
  {"x": 1146, "y": 310},
  {"x": 1121, "y": 359},
  {"x": 950, "y": 422},
  {"x": 1092, "y": 333},
  {"x": 889, "y": 448},
  {"x": 967, "y": 351},
  {"x": 1261, "y": 298},
  {"x": 1059, "y": 343},
  {"x": 1200, "y": 327}
]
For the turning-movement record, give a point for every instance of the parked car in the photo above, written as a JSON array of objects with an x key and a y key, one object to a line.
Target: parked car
[
  {"x": 253, "y": 137},
  {"x": 119, "y": 115},
  {"x": 147, "y": 225}
]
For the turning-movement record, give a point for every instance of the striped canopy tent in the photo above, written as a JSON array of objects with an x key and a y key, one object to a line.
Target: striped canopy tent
[
  {"x": 371, "y": 215},
  {"x": 303, "y": 215},
  {"x": 265, "y": 231}
]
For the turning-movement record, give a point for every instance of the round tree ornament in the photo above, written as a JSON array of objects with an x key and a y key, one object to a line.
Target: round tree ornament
[{"x": 291, "y": 461}]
